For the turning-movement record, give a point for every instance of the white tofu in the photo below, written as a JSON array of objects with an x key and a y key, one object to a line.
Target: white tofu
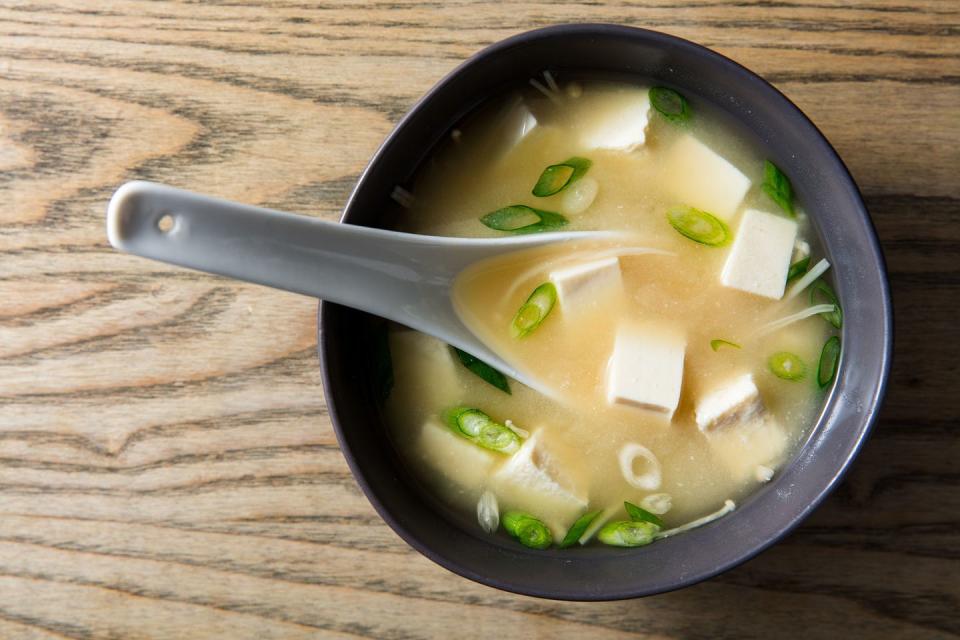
[
  {"x": 518, "y": 122},
  {"x": 583, "y": 283},
  {"x": 617, "y": 122},
  {"x": 423, "y": 368},
  {"x": 741, "y": 449},
  {"x": 694, "y": 175},
  {"x": 459, "y": 462},
  {"x": 539, "y": 480},
  {"x": 646, "y": 370},
  {"x": 733, "y": 402},
  {"x": 801, "y": 249},
  {"x": 760, "y": 257}
]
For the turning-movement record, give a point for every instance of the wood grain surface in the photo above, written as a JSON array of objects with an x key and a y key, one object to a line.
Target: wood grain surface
[{"x": 167, "y": 466}]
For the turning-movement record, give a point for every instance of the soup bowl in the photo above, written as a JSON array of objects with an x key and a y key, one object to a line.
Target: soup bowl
[{"x": 838, "y": 217}]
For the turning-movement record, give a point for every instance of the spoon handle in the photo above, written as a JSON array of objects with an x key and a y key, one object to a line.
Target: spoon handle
[{"x": 361, "y": 267}]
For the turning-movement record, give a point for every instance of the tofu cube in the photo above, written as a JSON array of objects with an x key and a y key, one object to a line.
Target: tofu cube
[
  {"x": 646, "y": 370},
  {"x": 459, "y": 462},
  {"x": 760, "y": 257},
  {"x": 733, "y": 402},
  {"x": 518, "y": 122},
  {"x": 740, "y": 449},
  {"x": 801, "y": 250},
  {"x": 617, "y": 122},
  {"x": 694, "y": 175},
  {"x": 580, "y": 285},
  {"x": 539, "y": 480}
]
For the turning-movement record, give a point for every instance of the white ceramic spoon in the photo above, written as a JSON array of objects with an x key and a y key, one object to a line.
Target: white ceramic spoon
[{"x": 400, "y": 276}]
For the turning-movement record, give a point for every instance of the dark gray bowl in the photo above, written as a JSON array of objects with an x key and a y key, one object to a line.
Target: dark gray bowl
[{"x": 826, "y": 190}]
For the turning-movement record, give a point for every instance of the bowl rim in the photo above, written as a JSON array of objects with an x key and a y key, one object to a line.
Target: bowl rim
[{"x": 867, "y": 422}]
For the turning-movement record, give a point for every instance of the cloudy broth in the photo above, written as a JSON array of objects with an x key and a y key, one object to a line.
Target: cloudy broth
[{"x": 668, "y": 287}]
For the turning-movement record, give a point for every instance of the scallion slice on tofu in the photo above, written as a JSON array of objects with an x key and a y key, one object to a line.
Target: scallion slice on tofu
[
  {"x": 829, "y": 361},
  {"x": 534, "y": 311},
  {"x": 578, "y": 529},
  {"x": 716, "y": 343},
  {"x": 558, "y": 177},
  {"x": 777, "y": 185},
  {"x": 820, "y": 290},
  {"x": 699, "y": 226},
  {"x": 627, "y": 533},
  {"x": 639, "y": 514},
  {"x": 528, "y": 531},
  {"x": 519, "y": 218},
  {"x": 798, "y": 268},
  {"x": 787, "y": 366},
  {"x": 671, "y": 105},
  {"x": 483, "y": 371},
  {"x": 482, "y": 430}
]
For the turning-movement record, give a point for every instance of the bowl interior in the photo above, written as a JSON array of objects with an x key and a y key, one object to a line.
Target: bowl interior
[{"x": 838, "y": 216}]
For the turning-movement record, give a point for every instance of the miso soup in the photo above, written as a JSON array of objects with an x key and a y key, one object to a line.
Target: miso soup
[{"x": 686, "y": 358}]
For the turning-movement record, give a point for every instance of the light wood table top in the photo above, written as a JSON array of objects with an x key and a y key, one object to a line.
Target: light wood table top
[{"x": 167, "y": 466}]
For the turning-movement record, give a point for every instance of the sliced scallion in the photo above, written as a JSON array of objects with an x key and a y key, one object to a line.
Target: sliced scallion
[
  {"x": 716, "y": 343},
  {"x": 787, "y": 366},
  {"x": 699, "y": 226},
  {"x": 557, "y": 177},
  {"x": 829, "y": 361},
  {"x": 627, "y": 533},
  {"x": 578, "y": 529},
  {"x": 534, "y": 311},
  {"x": 520, "y": 218},
  {"x": 671, "y": 105},
  {"x": 482, "y": 430},
  {"x": 482, "y": 370},
  {"x": 798, "y": 268},
  {"x": 777, "y": 185},
  {"x": 639, "y": 514},
  {"x": 529, "y": 531},
  {"x": 822, "y": 290}
]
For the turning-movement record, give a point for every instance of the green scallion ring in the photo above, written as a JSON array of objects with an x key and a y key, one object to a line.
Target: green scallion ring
[
  {"x": 699, "y": 226},
  {"x": 821, "y": 290},
  {"x": 534, "y": 311},
  {"x": 558, "y": 177},
  {"x": 529, "y": 531},
  {"x": 829, "y": 362},
  {"x": 671, "y": 105},
  {"x": 787, "y": 366},
  {"x": 627, "y": 533}
]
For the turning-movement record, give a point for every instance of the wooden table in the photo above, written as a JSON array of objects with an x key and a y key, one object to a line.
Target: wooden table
[{"x": 167, "y": 466}]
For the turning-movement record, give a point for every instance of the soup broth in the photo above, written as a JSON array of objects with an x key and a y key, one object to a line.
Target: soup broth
[{"x": 667, "y": 388}]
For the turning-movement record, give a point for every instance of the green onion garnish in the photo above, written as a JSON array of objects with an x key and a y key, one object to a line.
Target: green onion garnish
[
  {"x": 529, "y": 531},
  {"x": 787, "y": 365},
  {"x": 821, "y": 289},
  {"x": 829, "y": 361},
  {"x": 777, "y": 185},
  {"x": 699, "y": 226},
  {"x": 482, "y": 430},
  {"x": 798, "y": 268},
  {"x": 627, "y": 533},
  {"x": 716, "y": 343},
  {"x": 482, "y": 370},
  {"x": 639, "y": 514},
  {"x": 519, "y": 218},
  {"x": 578, "y": 529},
  {"x": 537, "y": 307},
  {"x": 557, "y": 177},
  {"x": 671, "y": 105}
]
